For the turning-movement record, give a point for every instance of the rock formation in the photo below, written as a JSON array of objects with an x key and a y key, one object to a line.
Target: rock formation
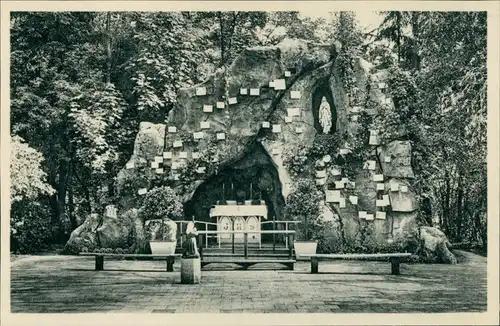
[{"x": 257, "y": 119}]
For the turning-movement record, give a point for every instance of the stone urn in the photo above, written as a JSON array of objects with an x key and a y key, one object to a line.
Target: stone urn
[
  {"x": 304, "y": 248},
  {"x": 163, "y": 236}
]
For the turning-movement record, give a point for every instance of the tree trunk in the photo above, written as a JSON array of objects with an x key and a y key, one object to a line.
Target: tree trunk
[
  {"x": 222, "y": 50},
  {"x": 459, "y": 217},
  {"x": 108, "y": 47},
  {"x": 415, "y": 57}
]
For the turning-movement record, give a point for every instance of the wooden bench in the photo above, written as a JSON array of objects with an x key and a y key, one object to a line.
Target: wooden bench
[
  {"x": 245, "y": 263},
  {"x": 394, "y": 258},
  {"x": 99, "y": 258}
]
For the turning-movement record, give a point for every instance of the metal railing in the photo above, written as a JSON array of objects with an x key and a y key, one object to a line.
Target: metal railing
[{"x": 290, "y": 236}]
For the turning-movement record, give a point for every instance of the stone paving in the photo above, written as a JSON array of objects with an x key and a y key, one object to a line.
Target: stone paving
[{"x": 57, "y": 284}]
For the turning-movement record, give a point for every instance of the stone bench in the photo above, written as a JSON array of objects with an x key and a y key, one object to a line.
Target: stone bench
[
  {"x": 245, "y": 263},
  {"x": 394, "y": 258},
  {"x": 99, "y": 258}
]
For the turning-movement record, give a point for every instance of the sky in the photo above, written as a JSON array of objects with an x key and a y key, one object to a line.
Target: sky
[{"x": 368, "y": 20}]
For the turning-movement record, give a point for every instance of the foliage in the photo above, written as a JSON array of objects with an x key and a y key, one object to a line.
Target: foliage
[
  {"x": 303, "y": 205},
  {"x": 29, "y": 226},
  {"x": 439, "y": 92},
  {"x": 161, "y": 203},
  {"x": 28, "y": 180}
]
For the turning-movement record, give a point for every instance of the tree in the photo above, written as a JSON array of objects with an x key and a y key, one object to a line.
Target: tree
[
  {"x": 28, "y": 180},
  {"x": 439, "y": 90}
]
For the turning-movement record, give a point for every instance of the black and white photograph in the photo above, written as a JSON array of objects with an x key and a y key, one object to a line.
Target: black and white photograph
[{"x": 312, "y": 161}]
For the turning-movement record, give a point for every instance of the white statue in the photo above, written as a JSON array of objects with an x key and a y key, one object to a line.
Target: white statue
[{"x": 325, "y": 116}]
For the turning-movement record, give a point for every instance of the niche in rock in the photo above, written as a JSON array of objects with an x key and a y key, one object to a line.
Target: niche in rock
[
  {"x": 253, "y": 177},
  {"x": 324, "y": 111}
]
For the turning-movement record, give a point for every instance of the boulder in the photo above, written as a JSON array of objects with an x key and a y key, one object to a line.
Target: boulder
[
  {"x": 399, "y": 153},
  {"x": 241, "y": 127},
  {"x": 103, "y": 231},
  {"x": 436, "y": 243}
]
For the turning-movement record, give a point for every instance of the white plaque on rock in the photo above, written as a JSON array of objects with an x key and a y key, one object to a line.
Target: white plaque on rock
[
  {"x": 378, "y": 177},
  {"x": 403, "y": 188},
  {"x": 374, "y": 141},
  {"x": 195, "y": 155},
  {"x": 288, "y": 73},
  {"x": 369, "y": 217},
  {"x": 205, "y": 125},
  {"x": 386, "y": 200},
  {"x": 387, "y": 159},
  {"x": 293, "y": 112},
  {"x": 288, "y": 119},
  {"x": 380, "y": 203},
  {"x": 277, "y": 128},
  {"x": 266, "y": 124},
  {"x": 343, "y": 151},
  {"x": 201, "y": 169},
  {"x": 299, "y": 130},
  {"x": 271, "y": 84},
  {"x": 233, "y": 100},
  {"x": 279, "y": 84},
  {"x": 362, "y": 214},
  {"x": 201, "y": 91},
  {"x": 221, "y": 136},
  {"x": 354, "y": 118},
  {"x": 243, "y": 91},
  {"x": 382, "y": 85},
  {"x": 353, "y": 200},
  {"x": 167, "y": 155},
  {"x": 154, "y": 165},
  {"x": 177, "y": 143},
  {"x": 183, "y": 155},
  {"x": 159, "y": 170},
  {"x": 380, "y": 186},
  {"x": 198, "y": 135},
  {"x": 295, "y": 94},
  {"x": 254, "y": 91},
  {"x": 159, "y": 159},
  {"x": 370, "y": 165},
  {"x": 332, "y": 196},
  {"x": 339, "y": 185},
  {"x": 394, "y": 186},
  {"x": 321, "y": 174},
  {"x": 336, "y": 172},
  {"x": 172, "y": 129},
  {"x": 208, "y": 108},
  {"x": 220, "y": 105},
  {"x": 342, "y": 202},
  {"x": 130, "y": 165},
  {"x": 142, "y": 191},
  {"x": 380, "y": 215}
]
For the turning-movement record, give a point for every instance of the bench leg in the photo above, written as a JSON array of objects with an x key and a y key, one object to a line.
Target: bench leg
[
  {"x": 314, "y": 265},
  {"x": 170, "y": 264},
  {"x": 99, "y": 263},
  {"x": 395, "y": 266}
]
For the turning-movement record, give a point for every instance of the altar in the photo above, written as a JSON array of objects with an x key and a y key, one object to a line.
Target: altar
[{"x": 242, "y": 217}]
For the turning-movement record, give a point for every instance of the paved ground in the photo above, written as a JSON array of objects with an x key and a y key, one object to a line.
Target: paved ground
[{"x": 52, "y": 284}]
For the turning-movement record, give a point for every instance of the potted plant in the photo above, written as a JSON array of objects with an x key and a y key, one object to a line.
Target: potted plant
[
  {"x": 303, "y": 206},
  {"x": 160, "y": 208}
]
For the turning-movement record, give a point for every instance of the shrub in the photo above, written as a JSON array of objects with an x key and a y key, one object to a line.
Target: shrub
[
  {"x": 303, "y": 205},
  {"x": 160, "y": 203},
  {"x": 30, "y": 229}
]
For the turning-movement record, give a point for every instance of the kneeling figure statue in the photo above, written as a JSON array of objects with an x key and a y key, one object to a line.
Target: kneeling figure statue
[{"x": 190, "y": 249}]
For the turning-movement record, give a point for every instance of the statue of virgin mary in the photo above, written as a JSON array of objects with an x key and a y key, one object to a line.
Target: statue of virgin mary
[{"x": 325, "y": 116}]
